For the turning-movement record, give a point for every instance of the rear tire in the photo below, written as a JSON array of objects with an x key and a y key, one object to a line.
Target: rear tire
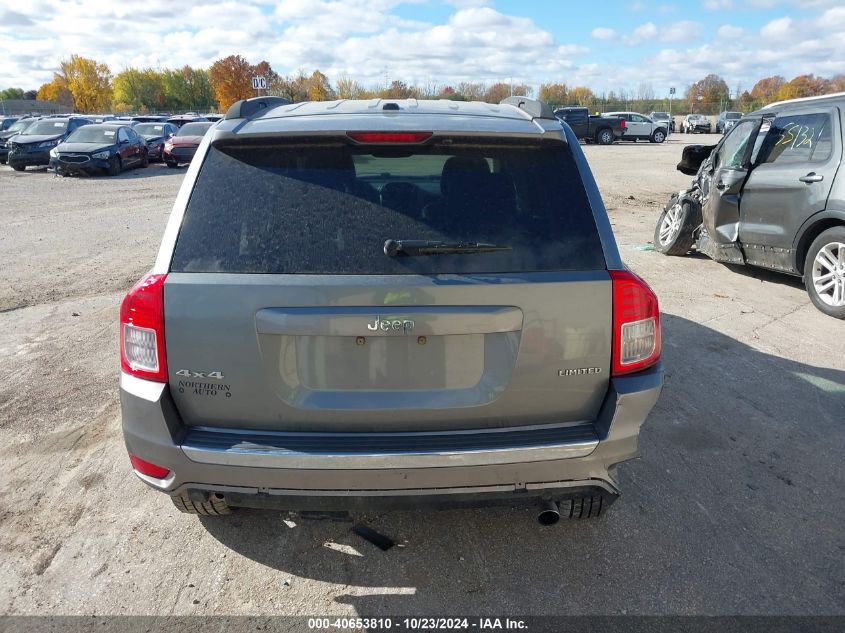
[
  {"x": 673, "y": 234},
  {"x": 172, "y": 165},
  {"x": 215, "y": 506},
  {"x": 604, "y": 136},
  {"x": 824, "y": 272},
  {"x": 18, "y": 167},
  {"x": 589, "y": 507},
  {"x": 145, "y": 161}
]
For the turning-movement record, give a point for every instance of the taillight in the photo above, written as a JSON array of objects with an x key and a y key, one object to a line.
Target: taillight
[
  {"x": 142, "y": 330},
  {"x": 146, "y": 468},
  {"x": 389, "y": 137},
  {"x": 636, "y": 324},
  {"x": 623, "y": 124}
]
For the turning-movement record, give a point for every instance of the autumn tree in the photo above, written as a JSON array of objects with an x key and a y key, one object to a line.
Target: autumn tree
[
  {"x": 471, "y": 91},
  {"x": 707, "y": 94},
  {"x": 497, "y": 92},
  {"x": 765, "y": 90},
  {"x": 837, "y": 84},
  {"x": 319, "y": 88},
  {"x": 89, "y": 82},
  {"x": 581, "y": 95},
  {"x": 803, "y": 86},
  {"x": 56, "y": 91},
  {"x": 397, "y": 90},
  {"x": 231, "y": 78},
  {"x": 349, "y": 88},
  {"x": 554, "y": 94}
]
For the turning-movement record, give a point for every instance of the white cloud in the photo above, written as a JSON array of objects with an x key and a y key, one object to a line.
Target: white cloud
[
  {"x": 778, "y": 28},
  {"x": 718, "y": 5},
  {"x": 729, "y": 32},
  {"x": 603, "y": 33},
  {"x": 685, "y": 30},
  {"x": 642, "y": 33}
]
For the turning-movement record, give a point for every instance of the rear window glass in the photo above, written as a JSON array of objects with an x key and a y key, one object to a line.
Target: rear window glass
[
  {"x": 329, "y": 209},
  {"x": 194, "y": 129}
]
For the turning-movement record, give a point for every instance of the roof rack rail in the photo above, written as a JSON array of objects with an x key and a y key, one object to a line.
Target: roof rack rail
[
  {"x": 252, "y": 108},
  {"x": 536, "y": 108}
]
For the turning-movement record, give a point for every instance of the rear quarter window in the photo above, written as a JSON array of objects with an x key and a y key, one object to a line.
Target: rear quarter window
[
  {"x": 330, "y": 208},
  {"x": 802, "y": 138}
]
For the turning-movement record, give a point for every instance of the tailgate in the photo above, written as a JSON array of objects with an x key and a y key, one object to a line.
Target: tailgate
[{"x": 318, "y": 353}]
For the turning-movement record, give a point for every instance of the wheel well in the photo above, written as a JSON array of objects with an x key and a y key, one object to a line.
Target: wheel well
[{"x": 811, "y": 234}]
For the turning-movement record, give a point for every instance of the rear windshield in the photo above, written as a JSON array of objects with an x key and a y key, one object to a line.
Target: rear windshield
[
  {"x": 193, "y": 129},
  {"x": 733, "y": 115},
  {"x": 150, "y": 128},
  {"x": 329, "y": 209}
]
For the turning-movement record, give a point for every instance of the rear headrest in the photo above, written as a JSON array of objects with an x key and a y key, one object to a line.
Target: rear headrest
[{"x": 458, "y": 168}]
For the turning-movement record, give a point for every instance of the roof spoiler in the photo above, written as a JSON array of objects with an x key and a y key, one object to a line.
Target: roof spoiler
[
  {"x": 536, "y": 108},
  {"x": 251, "y": 108}
]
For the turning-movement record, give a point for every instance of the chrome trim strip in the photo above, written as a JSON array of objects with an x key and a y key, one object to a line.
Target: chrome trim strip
[{"x": 441, "y": 459}]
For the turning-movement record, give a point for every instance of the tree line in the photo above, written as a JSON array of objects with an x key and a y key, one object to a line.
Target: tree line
[{"x": 85, "y": 85}]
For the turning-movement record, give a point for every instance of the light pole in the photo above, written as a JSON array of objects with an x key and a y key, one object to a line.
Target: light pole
[{"x": 671, "y": 94}]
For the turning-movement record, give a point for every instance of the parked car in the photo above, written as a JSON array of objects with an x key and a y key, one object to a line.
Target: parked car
[
  {"x": 665, "y": 119},
  {"x": 770, "y": 194},
  {"x": 181, "y": 147},
  {"x": 726, "y": 121},
  {"x": 147, "y": 118},
  {"x": 638, "y": 127},
  {"x": 590, "y": 128},
  {"x": 103, "y": 147},
  {"x": 213, "y": 117},
  {"x": 181, "y": 119},
  {"x": 7, "y": 122},
  {"x": 33, "y": 145},
  {"x": 696, "y": 123},
  {"x": 10, "y": 132},
  {"x": 156, "y": 134},
  {"x": 361, "y": 310}
]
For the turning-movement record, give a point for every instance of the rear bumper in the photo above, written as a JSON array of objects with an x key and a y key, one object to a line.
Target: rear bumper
[
  {"x": 176, "y": 156},
  {"x": 273, "y": 470}
]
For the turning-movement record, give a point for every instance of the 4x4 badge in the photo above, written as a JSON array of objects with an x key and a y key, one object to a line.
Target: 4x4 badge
[{"x": 189, "y": 373}]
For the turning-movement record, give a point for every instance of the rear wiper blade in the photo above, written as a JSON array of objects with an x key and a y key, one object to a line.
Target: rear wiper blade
[{"x": 394, "y": 248}]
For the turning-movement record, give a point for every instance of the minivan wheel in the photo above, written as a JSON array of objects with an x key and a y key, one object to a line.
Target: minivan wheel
[
  {"x": 215, "y": 506},
  {"x": 658, "y": 137},
  {"x": 604, "y": 137},
  {"x": 18, "y": 167},
  {"x": 824, "y": 272},
  {"x": 673, "y": 234}
]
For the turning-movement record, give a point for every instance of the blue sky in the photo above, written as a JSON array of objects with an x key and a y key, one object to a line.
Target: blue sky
[{"x": 630, "y": 45}]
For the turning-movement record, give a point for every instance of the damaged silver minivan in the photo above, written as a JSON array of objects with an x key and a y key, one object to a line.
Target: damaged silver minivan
[{"x": 770, "y": 194}]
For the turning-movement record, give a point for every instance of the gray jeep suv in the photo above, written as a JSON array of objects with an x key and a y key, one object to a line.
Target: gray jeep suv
[{"x": 388, "y": 303}]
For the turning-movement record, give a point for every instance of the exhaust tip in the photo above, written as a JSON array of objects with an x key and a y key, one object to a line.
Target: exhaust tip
[{"x": 549, "y": 513}]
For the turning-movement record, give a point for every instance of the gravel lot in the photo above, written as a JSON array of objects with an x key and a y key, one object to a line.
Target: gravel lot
[{"x": 737, "y": 505}]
